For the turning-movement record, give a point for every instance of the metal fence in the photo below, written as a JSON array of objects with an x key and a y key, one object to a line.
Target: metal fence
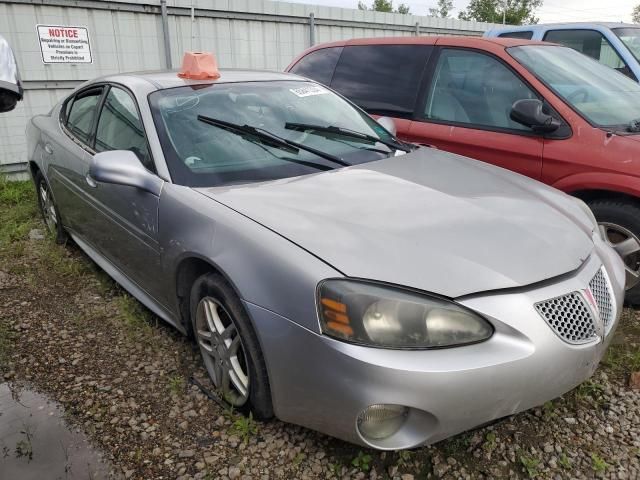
[{"x": 133, "y": 35}]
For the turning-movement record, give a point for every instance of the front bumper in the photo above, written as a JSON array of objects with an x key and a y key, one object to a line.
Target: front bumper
[{"x": 324, "y": 384}]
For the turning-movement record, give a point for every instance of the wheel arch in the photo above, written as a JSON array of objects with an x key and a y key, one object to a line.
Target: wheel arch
[
  {"x": 34, "y": 169},
  {"x": 588, "y": 195},
  {"x": 188, "y": 269}
]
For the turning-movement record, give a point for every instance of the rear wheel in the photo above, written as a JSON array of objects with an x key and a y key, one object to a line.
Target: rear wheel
[
  {"x": 620, "y": 225},
  {"x": 49, "y": 210},
  {"x": 229, "y": 346}
]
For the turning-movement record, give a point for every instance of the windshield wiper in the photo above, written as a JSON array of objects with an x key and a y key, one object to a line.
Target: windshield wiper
[
  {"x": 269, "y": 138},
  {"x": 345, "y": 132}
]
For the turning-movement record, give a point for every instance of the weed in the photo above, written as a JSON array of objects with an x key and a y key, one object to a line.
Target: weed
[
  {"x": 405, "y": 458},
  {"x": 297, "y": 460},
  {"x": 530, "y": 465},
  {"x": 336, "y": 469},
  {"x": 245, "y": 427},
  {"x": 456, "y": 445},
  {"x": 590, "y": 389},
  {"x": 362, "y": 461},
  {"x": 490, "y": 444},
  {"x": 176, "y": 384},
  {"x": 598, "y": 464},
  {"x": 548, "y": 410},
  {"x": 564, "y": 461}
]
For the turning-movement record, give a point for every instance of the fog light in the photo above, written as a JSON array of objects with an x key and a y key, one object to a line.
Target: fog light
[{"x": 381, "y": 421}]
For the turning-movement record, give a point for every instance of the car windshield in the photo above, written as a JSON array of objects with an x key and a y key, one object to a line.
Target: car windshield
[
  {"x": 603, "y": 96},
  {"x": 243, "y": 128},
  {"x": 630, "y": 36}
]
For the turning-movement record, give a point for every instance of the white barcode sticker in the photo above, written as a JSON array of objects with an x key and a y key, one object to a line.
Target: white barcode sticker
[{"x": 309, "y": 91}]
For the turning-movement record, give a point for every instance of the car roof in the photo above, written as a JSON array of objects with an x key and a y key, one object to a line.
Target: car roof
[
  {"x": 545, "y": 26},
  {"x": 472, "y": 42},
  {"x": 170, "y": 79}
]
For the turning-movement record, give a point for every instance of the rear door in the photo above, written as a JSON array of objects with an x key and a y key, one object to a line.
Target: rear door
[
  {"x": 68, "y": 159},
  {"x": 383, "y": 79},
  {"x": 465, "y": 107}
]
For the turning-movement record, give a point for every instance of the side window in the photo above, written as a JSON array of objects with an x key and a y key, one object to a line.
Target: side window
[
  {"x": 382, "y": 78},
  {"x": 524, "y": 35},
  {"x": 120, "y": 127},
  {"x": 318, "y": 65},
  {"x": 476, "y": 89},
  {"x": 82, "y": 113},
  {"x": 589, "y": 42}
]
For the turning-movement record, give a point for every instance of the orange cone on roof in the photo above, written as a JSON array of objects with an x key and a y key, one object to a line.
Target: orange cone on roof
[{"x": 199, "y": 66}]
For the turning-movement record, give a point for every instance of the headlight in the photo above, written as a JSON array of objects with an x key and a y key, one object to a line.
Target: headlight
[
  {"x": 381, "y": 316},
  {"x": 587, "y": 211}
]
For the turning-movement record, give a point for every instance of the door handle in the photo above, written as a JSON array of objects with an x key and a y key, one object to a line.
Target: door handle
[
  {"x": 48, "y": 148},
  {"x": 90, "y": 181}
]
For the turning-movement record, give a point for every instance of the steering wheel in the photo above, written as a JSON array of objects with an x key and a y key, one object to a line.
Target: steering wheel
[{"x": 573, "y": 96}]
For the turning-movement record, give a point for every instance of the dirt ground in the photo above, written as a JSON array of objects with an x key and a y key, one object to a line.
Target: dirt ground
[{"x": 130, "y": 383}]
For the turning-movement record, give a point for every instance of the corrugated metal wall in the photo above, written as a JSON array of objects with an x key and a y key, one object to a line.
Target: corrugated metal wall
[{"x": 128, "y": 36}]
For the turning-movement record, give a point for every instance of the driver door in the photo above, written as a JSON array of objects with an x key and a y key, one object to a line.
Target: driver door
[
  {"x": 465, "y": 110},
  {"x": 127, "y": 217}
]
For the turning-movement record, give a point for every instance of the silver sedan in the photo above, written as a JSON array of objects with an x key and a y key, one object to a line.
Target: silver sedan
[{"x": 388, "y": 294}]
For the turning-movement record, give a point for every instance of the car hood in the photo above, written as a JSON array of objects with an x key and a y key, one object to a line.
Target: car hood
[{"x": 429, "y": 220}]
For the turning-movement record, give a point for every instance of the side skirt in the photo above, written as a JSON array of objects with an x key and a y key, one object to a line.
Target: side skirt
[{"x": 144, "y": 298}]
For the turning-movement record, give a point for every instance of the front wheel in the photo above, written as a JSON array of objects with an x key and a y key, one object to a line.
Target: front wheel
[
  {"x": 620, "y": 226},
  {"x": 229, "y": 346}
]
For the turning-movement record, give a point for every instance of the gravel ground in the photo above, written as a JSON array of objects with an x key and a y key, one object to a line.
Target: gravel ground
[{"x": 130, "y": 382}]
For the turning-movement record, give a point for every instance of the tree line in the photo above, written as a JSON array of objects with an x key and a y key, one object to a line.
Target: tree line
[{"x": 511, "y": 12}]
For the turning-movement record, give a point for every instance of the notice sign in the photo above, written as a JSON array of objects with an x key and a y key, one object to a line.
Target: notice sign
[{"x": 60, "y": 44}]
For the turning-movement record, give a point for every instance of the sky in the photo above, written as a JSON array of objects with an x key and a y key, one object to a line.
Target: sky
[{"x": 551, "y": 11}]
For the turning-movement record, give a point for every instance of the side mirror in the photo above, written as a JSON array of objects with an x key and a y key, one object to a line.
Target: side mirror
[
  {"x": 10, "y": 84},
  {"x": 388, "y": 124},
  {"x": 122, "y": 167},
  {"x": 529, "y": 112}
]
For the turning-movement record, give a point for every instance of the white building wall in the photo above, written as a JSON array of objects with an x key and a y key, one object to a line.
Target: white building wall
[{"x": 128, "y": 36}]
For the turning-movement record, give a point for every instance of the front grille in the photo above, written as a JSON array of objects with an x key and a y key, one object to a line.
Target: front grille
[
  {"x": 600, "y": 289},
  {"x": 569, "y": 317}
]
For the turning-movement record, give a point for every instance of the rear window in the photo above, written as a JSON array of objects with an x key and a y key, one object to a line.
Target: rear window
[
  {"x": 382, "y": 78},
  {"x": 318, "y": 65},
  {"x": 83, "y": 113},
  {"x": 526, "y": 35}
]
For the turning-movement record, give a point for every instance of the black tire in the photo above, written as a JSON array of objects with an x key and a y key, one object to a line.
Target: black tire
[
  {"x": 52, "y": 220},
  {"x": 625, "y": 214},
  {"x": 213, "y": 285}
]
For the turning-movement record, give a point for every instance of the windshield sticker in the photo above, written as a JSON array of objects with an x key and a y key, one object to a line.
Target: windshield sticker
[{"x": 309, "y": 91}]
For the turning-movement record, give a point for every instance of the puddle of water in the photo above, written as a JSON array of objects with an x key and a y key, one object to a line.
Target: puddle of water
[{"x": 36, "y": 443}]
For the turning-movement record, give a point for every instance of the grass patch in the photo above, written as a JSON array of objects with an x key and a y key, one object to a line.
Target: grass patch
[
  {"x": 18, "y": 210},
  {"x": 135, "y": 317}
]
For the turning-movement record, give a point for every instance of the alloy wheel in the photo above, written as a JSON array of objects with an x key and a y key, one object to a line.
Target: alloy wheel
[
  {"x": 627, "y": 245},
  {"x": 48, "y": 208},
  {"x": 222, "y": 351}
]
